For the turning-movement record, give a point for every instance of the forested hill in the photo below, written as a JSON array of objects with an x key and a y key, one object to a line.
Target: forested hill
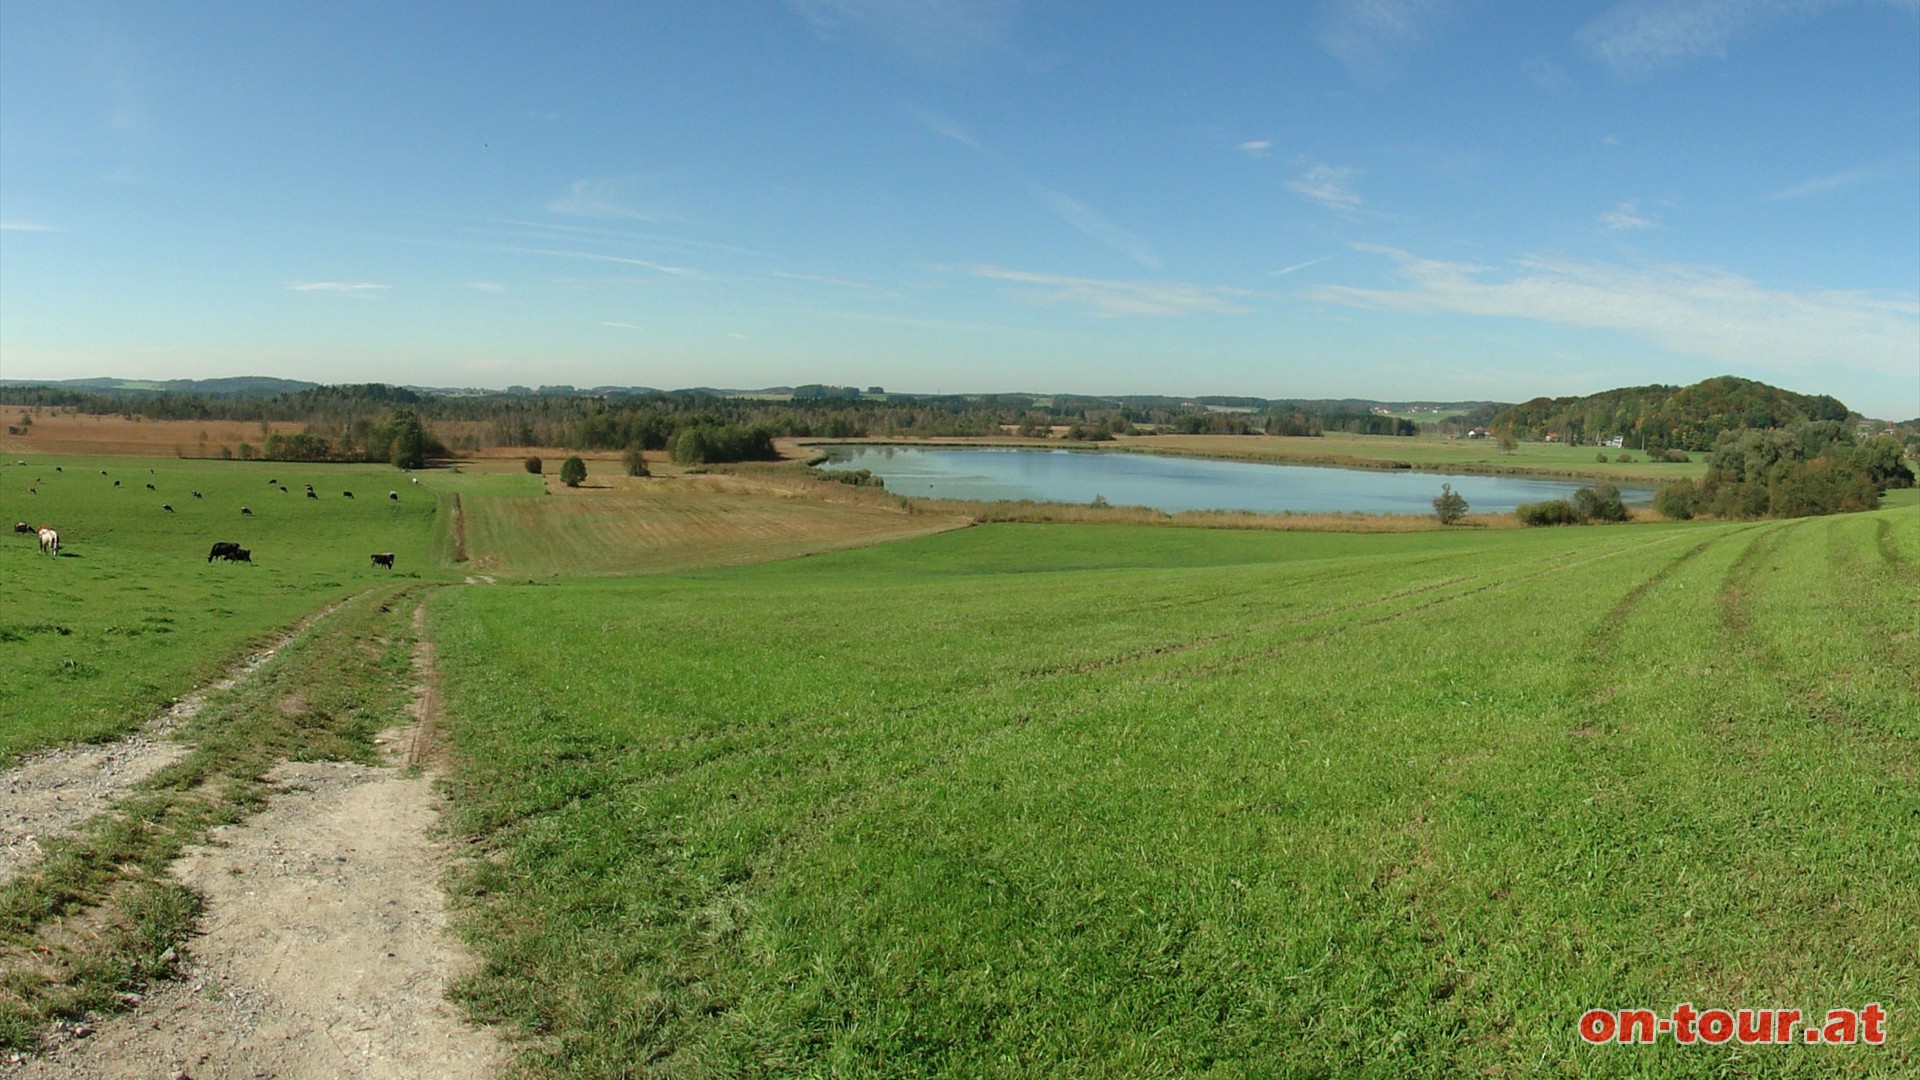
[
  {"x": 1687, "y": 417},
  {"x": 236, "y": 386}
]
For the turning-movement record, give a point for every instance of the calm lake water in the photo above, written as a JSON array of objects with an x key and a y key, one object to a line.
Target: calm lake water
[{"x": 1174, "y": 484}]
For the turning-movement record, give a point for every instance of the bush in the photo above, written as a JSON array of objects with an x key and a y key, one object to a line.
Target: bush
[
  {"x": 1552, "y": 512},
  {"x": 1600, "y": 457},
  {"x": 1675, "y": 457},
  {"x": 1601, "y": 502},
  {"x": 534, "y": 465},
  {"x": 1623, "y": 458},
  {"x": 1449, "y": 506},
  {"x": 573, "y": 471},
  {"x": 1677, "y": 499},
  {"x": 854, "y": 477},
  {"x": 635, "y": 462}
]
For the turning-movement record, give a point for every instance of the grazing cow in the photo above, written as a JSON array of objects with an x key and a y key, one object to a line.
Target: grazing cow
[
  {"x": 33, "y": 491},
  {"x": 23, "y": 527},
  {"x": 311, "y": 495},
  {"x": 247, "y": 511},
  {"x": 150, "y": 487},
  {"x": 416, "y": 479},
  {"x": 394, "y": 495},
  {"x": 283, "y": 489},
  {"x": 271, "y": 481},
  {"x": 347, "y": 494},
  {"x": 385, "y": 559},
  {"x": 223, "y": 549},
  {"x": 49, "y": 541},
  {"x": 59, "y": 468},
  {"x": 244, "y": 555},
  {"x": 168, "y": 507},
  {"x": 116, "y": 483},
  {"x": 196, "y": 494},
  {"x": 103, "y": 472}
]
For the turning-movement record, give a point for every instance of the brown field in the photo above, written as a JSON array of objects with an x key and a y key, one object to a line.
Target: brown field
[
  {"x": 54, "y": 432},
  {"x": 619, "y": 525}
]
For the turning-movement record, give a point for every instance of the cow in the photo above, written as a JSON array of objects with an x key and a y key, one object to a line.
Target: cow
[
  {"x": 196, "y": 494},
  {"x": 247, "y": 511},
  {"x": 272, "y": 481},
  {"x": 150, "y": 487},
  {"x": 23, "y": 527},
  {"x": 168, "y": 507},
  {"x": 224, "y": 549},
  {"x": 49, "y": 541},
  {"x": 311, "y": 495},
  {"x": 385, "y": 559},
  {"x": 416, "y": 480},
  {"x": 347, "y": 494},
  {"x": 244, "y": 555},
  {"x": 394, "y": 495},
  {"x": 116, "y": 483},
  {"x": 283, "y": 489}
]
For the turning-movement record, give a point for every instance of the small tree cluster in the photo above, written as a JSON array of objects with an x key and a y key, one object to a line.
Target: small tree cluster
[
  {"x": 1601, "y": 502},
  {"x": 573, "y": 471},
  {"x": 635, "y": 461},
  {"x": 533, "y": 464},
  {"x": 1449, "y": 506},
  {"x": 710, "y": 445}
]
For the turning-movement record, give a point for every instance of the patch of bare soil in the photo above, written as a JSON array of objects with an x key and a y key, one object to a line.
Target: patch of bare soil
[
  {"x": 54, "y": 792},
  {"x": 324, "y": 950}
]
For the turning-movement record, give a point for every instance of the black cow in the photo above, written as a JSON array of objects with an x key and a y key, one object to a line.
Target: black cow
[
  {"x": 283, "y": 489},
  {"x": 244, "y": 555},
  {"x": 23, "y": 527},
  {"x": 384, "y": 559},
  {"x": 224, "y": 549},
  {"x": 116, "y": 483},
  {"x": 394, "y": 495},
  {"x": 196, "y": 494},
  {"x": 247, "y": 511},
  {"x": 347, "y": 494},
  {"x": 311, "y": 495},
  {"x": 150, "y": 487},
  {"x": 168, "y": 507}
]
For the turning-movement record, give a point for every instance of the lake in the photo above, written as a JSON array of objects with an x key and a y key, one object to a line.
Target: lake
[{"x": 1173, "y": 484}]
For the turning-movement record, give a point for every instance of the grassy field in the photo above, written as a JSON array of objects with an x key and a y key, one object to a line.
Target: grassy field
[
  {"x": 1424, "y": 452},
  {"x": 132, "y": 616},
  {"x": 1105, "y": 801}
]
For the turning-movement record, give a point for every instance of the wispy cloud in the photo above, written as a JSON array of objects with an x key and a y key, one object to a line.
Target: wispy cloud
[
  {"x": 1547, "y": 75},
  {"x": 1643, "y": 35},
  {"x": 1284, "y": 271},
  {"x": 622, "y": 325},
  {"x": 1819, "y": 185},
  {"x": 1093, "y": 224},
  {"x": 620, "y": 260},
  {"x": 843, "y": 283},
  {"x": 1089, "y": 221},
  {"x": 1372, "y": 37},
  {"x": 1256, "y": 148},
  {"x": 1109, "y": 298},
  {"x": 1627, "y": 215},
  {"x": 628, "y": 197},
  {"x": 939, "y": 31},
  {"x": 347, "y": 287},
  {"x": 486, "y": 286},
  {"x": 1704, "y": 312},
  {"x": 1330, "y": 186},
  {"x": 25, "y": 226}
]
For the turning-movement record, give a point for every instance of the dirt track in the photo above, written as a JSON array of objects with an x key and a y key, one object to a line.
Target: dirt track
[{"x": 324, "y": 950}]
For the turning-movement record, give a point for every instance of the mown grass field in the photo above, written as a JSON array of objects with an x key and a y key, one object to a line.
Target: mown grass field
[
  {"x": 1104, "y": 801},
  {"x": 131, "y": 616},
  {"x": 1433, "y": 452}
]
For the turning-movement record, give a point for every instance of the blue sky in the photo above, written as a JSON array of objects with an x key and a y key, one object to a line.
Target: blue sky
[{"x": 1371, "y": 198}]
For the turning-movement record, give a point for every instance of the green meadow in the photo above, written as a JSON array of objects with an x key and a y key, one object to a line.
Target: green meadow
[
  {"x": 1035, "y": 800},
  {"x": 131, "y": 616}
]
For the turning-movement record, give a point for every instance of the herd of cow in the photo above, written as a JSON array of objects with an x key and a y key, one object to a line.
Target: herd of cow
[{"x": 224, "y": 549}]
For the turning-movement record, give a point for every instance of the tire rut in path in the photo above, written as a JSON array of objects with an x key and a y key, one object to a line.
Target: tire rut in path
[{"x": 324, "y": 949}]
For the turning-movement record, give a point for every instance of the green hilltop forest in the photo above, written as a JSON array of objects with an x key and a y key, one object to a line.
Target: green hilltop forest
[{"x": 1681, "y": 418}]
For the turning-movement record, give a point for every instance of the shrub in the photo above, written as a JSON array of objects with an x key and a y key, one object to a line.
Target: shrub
[
  {"x": 1552, "y": 512},
  {"x": 1601, "y": 457},
  {"x": 1623, "y": 458},
  {"x": 1601, "y": 502},
  {"x": 1677, "y": 499},
  {"x": 854, "y": 477},
  {"x": 1449, "y": 506},
  {"x": 1675, "y": 457},
  {"x": 635, "y": 461},
  {"x": 573, "y": 471},
  {"x": 533, "y": 464}
]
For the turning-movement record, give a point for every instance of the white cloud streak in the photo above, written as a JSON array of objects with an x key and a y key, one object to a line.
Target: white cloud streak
[
  {"x": 1627, "y": 216},
  {"x": 1819, "y": 185},
  {"x": 25, "y": 226},
  {"x": 1645, "y": 35},
  {"x": 1255, "y": 148},
  {"x": 346, "y": 287},
  {"x": 1284, "y": 271},
  {"x": 1328, "y": 185},
  {"x": 1108, "y": 298},
  {"x": 940, "y": 31},
  {"x": 1703, "y": 312},
  {"x": 610, "y": 197},
  {"x": 1371, "y": 36}
]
